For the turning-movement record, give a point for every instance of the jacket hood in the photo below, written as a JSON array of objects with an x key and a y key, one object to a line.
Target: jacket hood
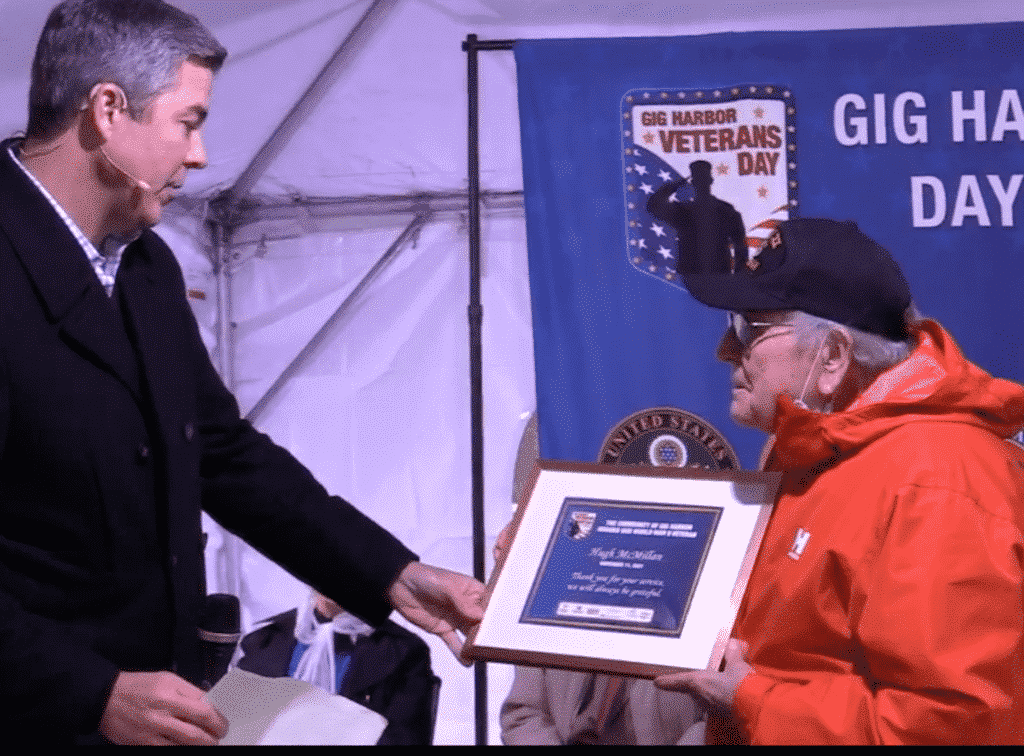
[{"x": 936, "y": 383}]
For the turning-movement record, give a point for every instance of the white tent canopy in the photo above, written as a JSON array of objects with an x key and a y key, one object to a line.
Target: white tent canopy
[{"x": 380, "y": 409}]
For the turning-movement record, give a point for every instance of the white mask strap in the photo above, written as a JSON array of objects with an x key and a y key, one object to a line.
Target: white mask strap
[{"x": 807, "y": 381}]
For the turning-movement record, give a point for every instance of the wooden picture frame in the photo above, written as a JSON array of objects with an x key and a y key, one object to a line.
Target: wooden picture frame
[{"x": 633, "y": 571}]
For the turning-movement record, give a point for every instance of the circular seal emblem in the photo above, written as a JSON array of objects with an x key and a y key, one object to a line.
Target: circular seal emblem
[{"x": 667, "y": 437}]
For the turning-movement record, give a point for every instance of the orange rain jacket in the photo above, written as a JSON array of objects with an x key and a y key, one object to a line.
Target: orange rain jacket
[{"x": 885, "y": 605}]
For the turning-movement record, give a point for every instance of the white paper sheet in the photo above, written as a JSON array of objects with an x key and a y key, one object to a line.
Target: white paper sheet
[{"x": 282, "y": 711}]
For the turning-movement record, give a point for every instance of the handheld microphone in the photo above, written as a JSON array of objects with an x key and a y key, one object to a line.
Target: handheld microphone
[
  {"x": 219, "y": 631},
  {"x": 142, "y": 184}
]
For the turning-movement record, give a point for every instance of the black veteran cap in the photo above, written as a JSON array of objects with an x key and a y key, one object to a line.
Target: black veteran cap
[{"x": 819, "y": 266}]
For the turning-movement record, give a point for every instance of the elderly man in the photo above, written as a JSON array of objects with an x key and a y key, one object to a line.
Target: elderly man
[
  {"x": 885, "y": 604},
  {"x": 115, "y": 430}
]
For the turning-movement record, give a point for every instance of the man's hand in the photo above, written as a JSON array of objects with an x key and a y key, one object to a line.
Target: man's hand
[
  {"x": 439, "y": 601},
  {"x": 717, "y": 688},
  {"x": 502, "y": 543},
  {"x": 160, "y": 708}
]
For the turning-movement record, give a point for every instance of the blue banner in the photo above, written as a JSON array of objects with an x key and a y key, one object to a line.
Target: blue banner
[{"x": 914, "y": 133}]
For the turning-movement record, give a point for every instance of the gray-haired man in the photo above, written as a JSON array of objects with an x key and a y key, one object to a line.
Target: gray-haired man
[{"x": 115, "y": 431}]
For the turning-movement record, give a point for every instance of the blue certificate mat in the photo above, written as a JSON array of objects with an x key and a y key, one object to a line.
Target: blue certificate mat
[{"x": 622, "y": 566}]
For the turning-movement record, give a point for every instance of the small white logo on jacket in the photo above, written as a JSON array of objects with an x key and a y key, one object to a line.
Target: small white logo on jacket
[{"x": 799, "y": 543}]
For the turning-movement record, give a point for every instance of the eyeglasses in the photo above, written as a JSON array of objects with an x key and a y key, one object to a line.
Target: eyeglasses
[{"x": 742, "y": 329}]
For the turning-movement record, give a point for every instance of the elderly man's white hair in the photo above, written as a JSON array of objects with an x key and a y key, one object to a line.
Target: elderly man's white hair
[{"x": 871, "y": 353}]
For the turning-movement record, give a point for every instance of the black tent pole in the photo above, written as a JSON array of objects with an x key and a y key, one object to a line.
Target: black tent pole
[
  {"x": 471, "y": 45},
  {"x": 476, "y": 314}
]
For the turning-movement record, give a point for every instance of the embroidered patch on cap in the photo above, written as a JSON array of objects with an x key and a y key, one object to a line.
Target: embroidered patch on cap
[{"x": 769, "y": 256}]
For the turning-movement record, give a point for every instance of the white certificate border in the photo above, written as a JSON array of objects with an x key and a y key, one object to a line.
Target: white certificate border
[{"x": 745, "y": 499}]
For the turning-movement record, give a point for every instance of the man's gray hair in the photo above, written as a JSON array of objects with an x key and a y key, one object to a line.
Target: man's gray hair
[
  {"x": 138, "y": 45},
  {"x": 872, "y": 353}
]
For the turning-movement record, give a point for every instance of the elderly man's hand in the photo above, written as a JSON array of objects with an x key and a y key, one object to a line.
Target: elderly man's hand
[
  {"x": 440, "y": 601},
  {"x": 717, "y": 688},
  {"x": 502, "y": 543},
  {"x": 160, "y": 708}
]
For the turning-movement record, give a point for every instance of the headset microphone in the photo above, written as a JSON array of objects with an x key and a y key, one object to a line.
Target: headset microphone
[{"x": 142, "y": 184}]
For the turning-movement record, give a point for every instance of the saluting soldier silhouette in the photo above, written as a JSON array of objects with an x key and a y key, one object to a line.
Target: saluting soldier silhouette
[{"x": 712, "y": 236}]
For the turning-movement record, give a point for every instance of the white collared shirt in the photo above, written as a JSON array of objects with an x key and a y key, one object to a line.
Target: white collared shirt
[{"x": 106, "y": 263}]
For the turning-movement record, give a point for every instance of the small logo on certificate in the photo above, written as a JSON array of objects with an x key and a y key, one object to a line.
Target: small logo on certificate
[{"x": 582, "y": 525}]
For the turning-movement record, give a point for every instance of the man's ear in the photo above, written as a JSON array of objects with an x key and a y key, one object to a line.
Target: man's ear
[
  {"x": 106, "y": 108},
  {"x": 836, "y": 360}
]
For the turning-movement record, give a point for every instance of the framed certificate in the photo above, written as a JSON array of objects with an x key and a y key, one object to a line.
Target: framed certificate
[{"x": 627, "y": 570}]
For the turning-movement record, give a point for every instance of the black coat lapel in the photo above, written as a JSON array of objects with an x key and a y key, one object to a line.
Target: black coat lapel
[
  {"x": 149, "y": 311},
  {"x": 268, "y": 649},
  {"x": 74, "y": 299},
  {"x": 376, "y": 660}
]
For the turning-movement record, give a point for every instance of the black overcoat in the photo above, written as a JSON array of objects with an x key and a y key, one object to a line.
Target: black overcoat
[{"x": 115, "y": 431}]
